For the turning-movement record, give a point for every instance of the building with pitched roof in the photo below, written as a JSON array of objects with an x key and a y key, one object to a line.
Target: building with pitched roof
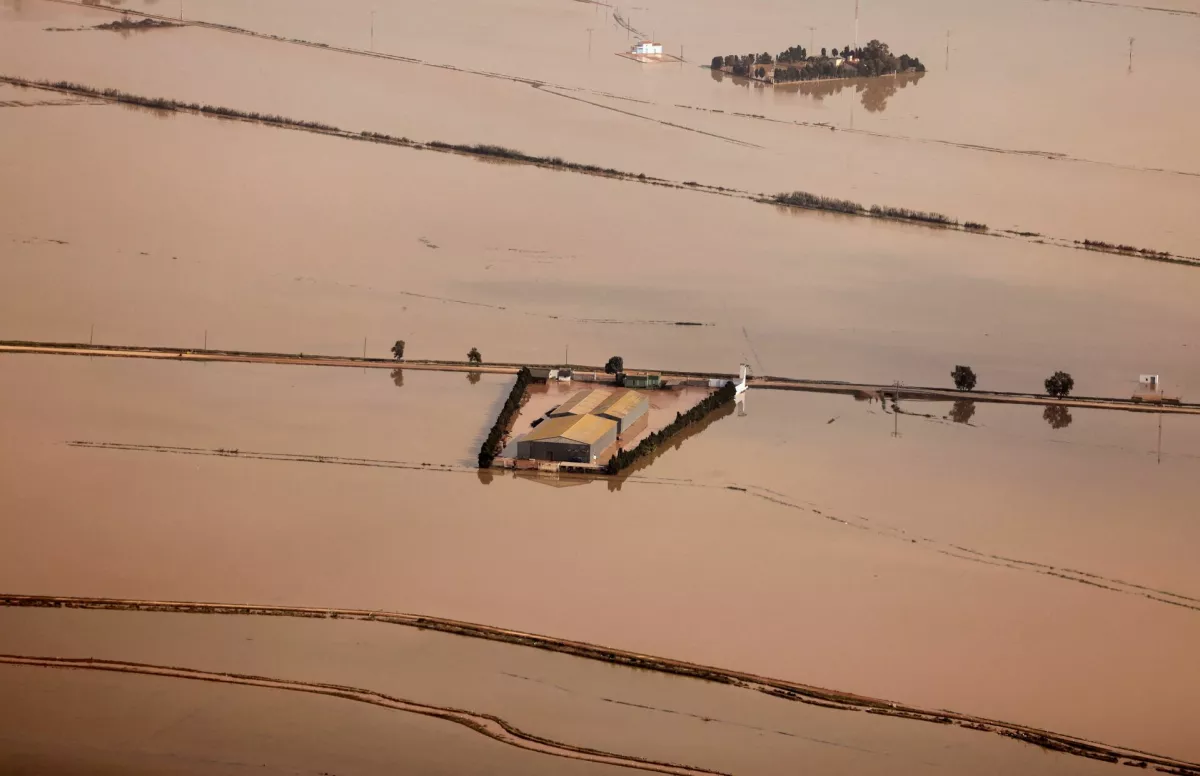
[
  {"x": 569, "y": 438},
  {"x": 625, "y": 407}
]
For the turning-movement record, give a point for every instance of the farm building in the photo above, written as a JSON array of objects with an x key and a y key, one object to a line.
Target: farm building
[
  {"x": 625, "y": 407},
  {"x": 639, "y": 381},
  {"x": 569, "y": 438},
  {"x": 581, "y": 403},
  {"x": 648, "y": 47}
]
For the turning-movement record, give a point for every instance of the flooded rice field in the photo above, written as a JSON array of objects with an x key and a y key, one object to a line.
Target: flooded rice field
[
  {"x": 563, "y": 698},
  {"x": 776, "y": 542},
  {"x": 1040, "y": 135},
  {"x": 313, "y": 257},
  {"x": 1026, "y": 564}
]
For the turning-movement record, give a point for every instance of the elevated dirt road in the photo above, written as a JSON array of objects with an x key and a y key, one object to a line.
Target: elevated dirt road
[{"x": 910, "y": 392}]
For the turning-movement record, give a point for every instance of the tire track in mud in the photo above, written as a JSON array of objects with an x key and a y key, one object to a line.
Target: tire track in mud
[
  {"x": 856, "y": 522},
  {"x": 489, "y": 725},
  {"x": 779, "y": 688}
]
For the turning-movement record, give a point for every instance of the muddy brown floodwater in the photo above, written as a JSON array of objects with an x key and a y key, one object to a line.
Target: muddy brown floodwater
[
  {"x": 1020, "y": 563},
  {"x": 1002, "y": 569},
  {"x": 1040, "y": 136}
]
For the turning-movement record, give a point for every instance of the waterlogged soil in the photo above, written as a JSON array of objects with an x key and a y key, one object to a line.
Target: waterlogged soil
[
  {"x": 567, "y": 699},
  {"x": 97, "y": 723},
  {"x": 312, "y": 257},
  {"x": 924, "y": 146},
  {"x": 696, "y": 557}
]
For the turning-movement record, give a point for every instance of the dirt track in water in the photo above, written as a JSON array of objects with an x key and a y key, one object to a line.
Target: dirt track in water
[{"x": 779, "y": 688}]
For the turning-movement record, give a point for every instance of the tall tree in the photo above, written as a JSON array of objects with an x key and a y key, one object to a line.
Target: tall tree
[
  {"x": 474, "y": 357},
  {"x": 398, "y": 350},
  {"x": 964, "y": 378},
  {"x": 614, "y": 365},
  {"x": 1060, "y": 384}
]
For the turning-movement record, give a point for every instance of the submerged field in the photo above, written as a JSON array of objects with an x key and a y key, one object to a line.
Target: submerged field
[{"x": 1023, "y": 564}]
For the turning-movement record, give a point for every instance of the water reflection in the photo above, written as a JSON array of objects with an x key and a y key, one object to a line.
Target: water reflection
[
  {"x": 962, "y": 411},
  {"x": 472, "y": 377},
  {"x": 874, "y": 91},
  {"x": 1057, "y": 416},
  {"x": 614, "y": 483},
  {"x": 485, "y": 475},
  {"x": 398, "y": 377}
]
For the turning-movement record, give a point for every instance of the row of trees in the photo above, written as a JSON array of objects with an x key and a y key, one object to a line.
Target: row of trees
[
  {"x": 1059, "y": 385},
  {"x": 491, "y": 446},
  {"x": 658, "y": 439},
  {"x": 794, "y": 64},
  {"x": 473, "y": 355}
]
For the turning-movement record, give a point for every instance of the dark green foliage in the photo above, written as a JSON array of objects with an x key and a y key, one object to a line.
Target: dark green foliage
[
  {"x": 817, "y": 202},
  {"x": 398, "y": 350},
  {"x": 490, "y": 447},
  {"x": 717, "y": 63},
  {"x": 1059, "y": 384},
  {"x": 474, "y": 357},
  {"x": 975, "y": 226},
  {"x": 615, "y": 364},
  {"x": 964, "y": 378},
  {"x": 962, "y": 411},
  {"x": 648, "y": 446}
]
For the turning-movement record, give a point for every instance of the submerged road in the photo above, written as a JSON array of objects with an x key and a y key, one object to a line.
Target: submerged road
[{"x": 919, "y": 393}]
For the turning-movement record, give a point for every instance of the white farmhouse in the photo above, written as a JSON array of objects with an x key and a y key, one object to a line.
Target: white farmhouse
[{"x": 648, "y": 47}]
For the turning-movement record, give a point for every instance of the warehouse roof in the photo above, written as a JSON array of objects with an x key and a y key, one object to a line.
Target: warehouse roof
[
  {"x": 586, "y": 429},
  {"x": 620, "y": 404},
  {"x": 582, "y": 403}
]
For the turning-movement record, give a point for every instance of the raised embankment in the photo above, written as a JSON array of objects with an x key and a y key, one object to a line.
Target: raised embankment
[
  {"x": 795, "y": 691},
  {"x": 912, "y": 392}
]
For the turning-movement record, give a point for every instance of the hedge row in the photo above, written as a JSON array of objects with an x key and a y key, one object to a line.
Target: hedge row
[
  {"x": 648, "y": 446},
  {"x": 491, "y": 445}
]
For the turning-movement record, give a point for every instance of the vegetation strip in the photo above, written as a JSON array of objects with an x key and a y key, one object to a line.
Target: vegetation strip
[
  {"x": 797, "y": 199},
  {"x": 765, "y": 383},
  {"x": 663, "y": 437},
  {"x": 508, "y": 413},
  {"x": 775, "y": 687},
  {"x": 489, "y": 725}
]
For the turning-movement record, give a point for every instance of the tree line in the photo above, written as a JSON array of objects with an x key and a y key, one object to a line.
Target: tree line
[
  {"x": 491, "y": 446},
  {"x": 795, "y": 64},
  {"x": 662, "y": 437}
]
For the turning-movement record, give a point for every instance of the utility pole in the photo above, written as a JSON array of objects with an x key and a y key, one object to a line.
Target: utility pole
[
  {"x": 372, "y": 29},
  {"x": 589, "y": 29},
  {"x": 948, "y": 48},
  {"x": 896, "y": 411},
  {"x": 812, "y": 36},
  {"x": 1160, "y": 437},
  {"x": 206, "y": 339},
  {"x": 1131, "y": 40},
  {"x": 91, "y": 334},
  {"x": 364, "y": 347}
]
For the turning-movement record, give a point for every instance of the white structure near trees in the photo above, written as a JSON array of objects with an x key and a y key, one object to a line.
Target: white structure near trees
[{"x": 648, "y": 47}]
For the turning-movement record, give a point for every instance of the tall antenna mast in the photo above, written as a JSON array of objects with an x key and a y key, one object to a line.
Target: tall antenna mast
[{"x": 856, "y": 25}]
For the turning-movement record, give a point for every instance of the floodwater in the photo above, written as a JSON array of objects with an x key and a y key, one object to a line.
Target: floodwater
[
  {"x": 992, "y": 139},
  {"x": 314, "y": 256},
  {"x": 1011, "y": 562},
  {"x": 852, "y": 559},
  {"x": 567, "y": 699}
]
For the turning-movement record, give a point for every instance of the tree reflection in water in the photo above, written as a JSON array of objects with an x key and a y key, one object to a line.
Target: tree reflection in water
[
  {"x": 398, "y": 377},
  {"x": 1057, "y": 416},
  {"x": 473, "y": 377},
  {"x": 962, "y": 411}
]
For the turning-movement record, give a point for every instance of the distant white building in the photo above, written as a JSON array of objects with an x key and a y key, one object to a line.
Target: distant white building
[{"x": 648, "y": 47}]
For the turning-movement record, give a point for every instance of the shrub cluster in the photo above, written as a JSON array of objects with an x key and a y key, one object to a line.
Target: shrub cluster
[
  {"x": 912, "y": 215},
  {"x": 648, "y": 446},
  {"x": 491, "y": 445},
  {"x": 817, "y": 202},
  {"x": 1100, "y": 245}
]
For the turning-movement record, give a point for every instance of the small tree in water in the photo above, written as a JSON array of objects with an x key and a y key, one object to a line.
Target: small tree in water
[
  {"x": 474, "y": 357},
  {"x": 398, "y": 350},
  {"x": 964, "y": 378},
  {"x": 614, "y": 365},
  {"x": 1059, "y": 384}
]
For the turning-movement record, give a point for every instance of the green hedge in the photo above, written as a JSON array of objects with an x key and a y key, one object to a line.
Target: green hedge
[{"x": 491, "y": 445}]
